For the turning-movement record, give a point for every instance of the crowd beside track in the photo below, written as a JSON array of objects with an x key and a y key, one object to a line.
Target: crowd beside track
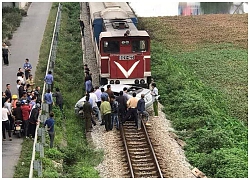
[{"x": 20, "y": 111}]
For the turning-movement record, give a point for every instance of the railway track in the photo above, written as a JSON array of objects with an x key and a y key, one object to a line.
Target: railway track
[{"x": 141, "y": 158}]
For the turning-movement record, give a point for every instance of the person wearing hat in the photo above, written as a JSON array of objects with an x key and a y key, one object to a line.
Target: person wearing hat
[
  {"x": 14, "y": 101},
  {"x": 33, "y": 119}
]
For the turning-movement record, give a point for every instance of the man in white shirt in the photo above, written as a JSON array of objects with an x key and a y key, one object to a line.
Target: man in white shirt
[
  {"x": 5, "y": 123},
  {"x": 155, "y": 94},
  {"x": 98, "y": 93},
  {"x": 95, "y": 108}
]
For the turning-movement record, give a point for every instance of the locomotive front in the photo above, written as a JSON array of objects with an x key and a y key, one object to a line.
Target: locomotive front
[{"x": 123, "y": 51}]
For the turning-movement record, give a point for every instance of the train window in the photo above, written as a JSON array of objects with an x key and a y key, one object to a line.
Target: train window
[
  {"x": 139, "y": 45},
  {"x": 111, "y": 47}
]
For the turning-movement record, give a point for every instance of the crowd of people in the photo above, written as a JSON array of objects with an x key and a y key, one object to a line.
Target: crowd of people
[
  {"x": 110, "y": 110},
  {"x": 25, "y": 106}
]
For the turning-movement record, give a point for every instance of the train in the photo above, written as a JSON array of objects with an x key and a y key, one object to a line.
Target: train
[{"x": 121, "y": 50}]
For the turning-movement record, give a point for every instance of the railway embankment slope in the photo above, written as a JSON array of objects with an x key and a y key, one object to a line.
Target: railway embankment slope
[{"x": 200, "y": 66}]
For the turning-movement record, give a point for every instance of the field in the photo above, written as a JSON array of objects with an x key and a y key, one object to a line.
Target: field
[{"x": 200, "y": 66}]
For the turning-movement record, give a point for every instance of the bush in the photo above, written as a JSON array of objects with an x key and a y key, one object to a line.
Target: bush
[{"x": 11, "y": 19}]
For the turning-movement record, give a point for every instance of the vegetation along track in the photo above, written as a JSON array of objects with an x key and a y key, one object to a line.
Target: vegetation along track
[{"x": 142, "y": 160}]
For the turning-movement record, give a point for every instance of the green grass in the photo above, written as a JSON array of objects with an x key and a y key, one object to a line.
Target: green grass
[
  {"x": 200, "y": 67},
  {"x": 71, "y": 145},
  {"x": 201, "y": 114},
  {"x": 223, "y": 67}
]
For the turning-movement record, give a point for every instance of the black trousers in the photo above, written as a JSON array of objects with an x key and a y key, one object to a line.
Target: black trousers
[
  {"x": 51, "y": 138},
  {"x": 32, "y": 130},
  {"x": 26, "y": 127},
  {"x": 132, "y": 112},
  {"x": 27, "y": 73},
  {"x": 107, "y": 120},
  {"x": 6, "y": 126},
  {"x": 5, "y": 59}
]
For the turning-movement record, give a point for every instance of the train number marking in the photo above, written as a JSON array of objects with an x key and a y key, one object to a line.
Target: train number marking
[{"x": 126, "y": 57}]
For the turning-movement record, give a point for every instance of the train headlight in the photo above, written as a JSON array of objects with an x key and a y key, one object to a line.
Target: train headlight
[
  {"x": 136, "y": 81},
  {"x": 117, "y": 82},
  {"x": 142, "y": 81},
  {"x": 111, "y": 82}
]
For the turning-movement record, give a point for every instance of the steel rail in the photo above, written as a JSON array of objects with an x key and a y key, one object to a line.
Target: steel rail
[
  {"x": 152, "y": 150},
  {"x": 150, "y": 146},
  {"x": 127, "y": 153},
  {"x": 44, "y": 85}
]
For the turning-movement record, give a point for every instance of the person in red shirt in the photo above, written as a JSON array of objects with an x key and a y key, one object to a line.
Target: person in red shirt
[{"x": 26, "y": 113}]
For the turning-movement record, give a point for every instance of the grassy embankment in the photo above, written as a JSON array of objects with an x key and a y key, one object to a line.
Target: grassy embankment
[
  {"x": 71, "y": 155},
  {"x": 200, "y": 66}
]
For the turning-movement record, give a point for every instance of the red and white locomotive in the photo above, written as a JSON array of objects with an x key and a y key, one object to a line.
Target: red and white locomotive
[{"x": 122, "y": 51}]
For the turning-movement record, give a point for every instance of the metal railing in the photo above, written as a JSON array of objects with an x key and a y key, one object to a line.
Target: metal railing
[{"x": 37, "y": 164}]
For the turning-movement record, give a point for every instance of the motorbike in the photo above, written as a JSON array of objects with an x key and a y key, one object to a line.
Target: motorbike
[{"x": 18, "y": 128}]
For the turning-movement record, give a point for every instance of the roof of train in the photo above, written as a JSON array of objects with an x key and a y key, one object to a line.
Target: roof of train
[
  {"x": 111, "y": 32},
  {"x": 110, "y": 10}
]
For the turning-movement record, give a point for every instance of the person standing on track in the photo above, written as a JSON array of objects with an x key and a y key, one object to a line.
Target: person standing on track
[
  {"x": 5, "y": 54},
  {"x": 132, "y": 109},
  {"x": 95, "y": 108},
  {"x": 106, "y": 113},
  {"x": 122, "y": 106},
  {"x": 142, "y": 111},
  {"x": 98, "y": 93},
  {"x": 88, "y": 82},
  {"x": 109, "y": 91},
  {"x": 87, "y": 114},
  {"x": 114, "y": 113}
]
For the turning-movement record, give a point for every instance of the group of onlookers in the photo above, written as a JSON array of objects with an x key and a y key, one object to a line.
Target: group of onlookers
[
  {"x": 26, "y": 104},
  {"x": 23, "y": 106},
  {"x": 111, "y": 110}
]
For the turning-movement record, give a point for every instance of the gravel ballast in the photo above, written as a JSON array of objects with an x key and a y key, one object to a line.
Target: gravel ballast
[{"x": 171, "y": 155}]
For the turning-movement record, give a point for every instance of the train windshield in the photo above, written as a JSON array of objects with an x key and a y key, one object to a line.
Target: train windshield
[
  {"x": 139, "y": 45},
  {"x": 111, "y": 46}
]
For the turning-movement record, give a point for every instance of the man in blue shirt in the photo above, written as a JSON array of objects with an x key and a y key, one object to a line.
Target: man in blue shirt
[
  {"x": 27, "y": 68},
  {"x": 49, "y": 80},
  {"x": 50, "y": 127},
  {"x": 48, "y": 99},
  {"x": 142, "y": 111}
]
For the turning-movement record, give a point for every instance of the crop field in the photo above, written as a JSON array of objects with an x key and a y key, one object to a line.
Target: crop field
[{"x": 200, "y": 66}]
